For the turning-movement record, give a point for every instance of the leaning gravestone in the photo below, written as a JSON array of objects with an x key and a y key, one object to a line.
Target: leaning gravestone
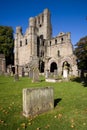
[{"x": 37, "y": 100}]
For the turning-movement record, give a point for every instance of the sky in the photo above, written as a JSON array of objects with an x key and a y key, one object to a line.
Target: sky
[{"x": 66, "y": 15}]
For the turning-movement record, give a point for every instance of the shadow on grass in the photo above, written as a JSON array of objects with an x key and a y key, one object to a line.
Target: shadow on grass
[
  {"x": 83, "y": 80},
  {"x": 42, "y": 80},
  {"x": 56, "y": 101},
  {"x": 84, "y": 83}
]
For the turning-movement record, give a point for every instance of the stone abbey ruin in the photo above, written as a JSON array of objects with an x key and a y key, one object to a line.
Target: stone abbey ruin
[{"x": 38, "y": 49}]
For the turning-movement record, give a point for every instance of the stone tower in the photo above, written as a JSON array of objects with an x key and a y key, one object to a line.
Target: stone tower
[
  {"x": 28, "y": 47},
  {"x": 38, "y": 48}
]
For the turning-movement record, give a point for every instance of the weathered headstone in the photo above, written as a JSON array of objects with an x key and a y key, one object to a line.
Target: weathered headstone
[
  {"x": 37, "y": 100},
  {"x": 65, "y": 73},
  {"x": 21, "y": 71},
  {"x": 55, "y": 73},
  {"x": 35, "y": 75},
  {"x": 47, "y": 74},
  {"x": 31, "y": 73},
  {"x": 16, "y": 77}
]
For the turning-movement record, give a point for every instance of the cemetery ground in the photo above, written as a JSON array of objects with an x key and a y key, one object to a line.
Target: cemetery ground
[{"x": 69, "y": 113}]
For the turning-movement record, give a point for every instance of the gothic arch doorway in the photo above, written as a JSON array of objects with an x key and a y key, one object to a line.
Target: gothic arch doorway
[{"x": 53, "y": 67}]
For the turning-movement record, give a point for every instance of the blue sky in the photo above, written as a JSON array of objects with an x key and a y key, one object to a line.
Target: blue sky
[{"x": 66, "y": 15}]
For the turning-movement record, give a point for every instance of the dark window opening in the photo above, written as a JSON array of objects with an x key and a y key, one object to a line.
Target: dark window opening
[
  {"x": 55, "y": 41},
  {"x": 38, "y": 44},
  {"x": 20, "y": 43},
  {"x": 40, "y": 25},
  {"x": 58, "y": 53},
  {"x": 62, "y": 39},
  {"x": 41, "y": 66},
  {"x": 41, "y": 36},
  {"x": 50, "y": 43},
  {"x": 26, "y": 67},
  {"x": 26, "y": 42},
  {"x": 43, "y": 43}
]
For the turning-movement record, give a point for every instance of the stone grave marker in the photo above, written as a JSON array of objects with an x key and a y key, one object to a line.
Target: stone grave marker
[
  {"x": 55, "y": 73},
  {"x": 47, "y": 74},
  {"x": 31, "y": 73},
  {"x": 35, "y": 75},
  {"x": 16, "y": 77},
  {"x": 37, "y": 100},
  {"x": 65, "y": 73}
]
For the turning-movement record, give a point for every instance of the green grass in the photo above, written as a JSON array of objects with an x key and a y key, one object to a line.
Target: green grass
[{"x": 70, "y": 112}]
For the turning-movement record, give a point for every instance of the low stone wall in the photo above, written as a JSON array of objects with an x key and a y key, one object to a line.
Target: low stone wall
[{"x": 37, "y": 100}]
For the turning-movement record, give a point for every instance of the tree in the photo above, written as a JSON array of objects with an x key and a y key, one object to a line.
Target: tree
[
  {"x": 6, "y": 43},
  {"x": 81, "y": 53}
]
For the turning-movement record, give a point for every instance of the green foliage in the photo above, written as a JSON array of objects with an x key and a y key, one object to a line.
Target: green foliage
[
  {"x": 81, "y": 53},
  {"x": 6, "y": 43},
  {"x": 70, "y": 112}
]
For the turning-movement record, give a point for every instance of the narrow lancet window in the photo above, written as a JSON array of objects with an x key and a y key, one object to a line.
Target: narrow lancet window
[{"x": 20, "y": 43}]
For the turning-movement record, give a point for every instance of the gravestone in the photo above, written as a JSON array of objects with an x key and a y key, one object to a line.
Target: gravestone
[
  {"x": 65, "y": 73},
  {"x": 37, "y": 100},
  {"x": 21, "y": 71},
  {"x": 16, "y": 77},
  {"x": 55, "y": 73},
  {"x": 35, "y": 75},
  {"x": 47, "y": 74},
  {"x": 31, "y": 73}
]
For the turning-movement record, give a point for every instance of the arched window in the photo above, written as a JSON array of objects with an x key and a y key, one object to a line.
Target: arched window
[{"x": 58, "y": 53}]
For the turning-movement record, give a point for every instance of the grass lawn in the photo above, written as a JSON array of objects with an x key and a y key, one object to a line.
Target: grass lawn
[{"x": 70, "y": 112}]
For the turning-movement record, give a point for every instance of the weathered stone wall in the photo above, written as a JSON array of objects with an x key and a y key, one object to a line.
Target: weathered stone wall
[
  {"x": 24, "y": 55},
  {"x": 37, "y": 100},
  {"x": 60, "y": 43}
]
